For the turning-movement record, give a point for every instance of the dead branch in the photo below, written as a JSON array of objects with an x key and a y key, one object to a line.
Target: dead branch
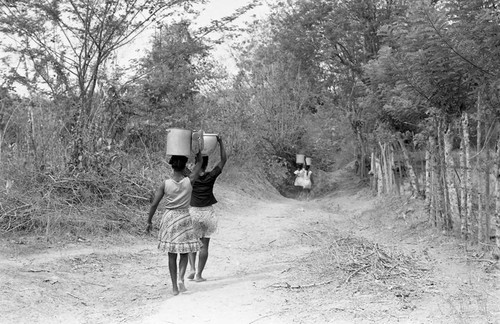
[{"x": 354, "y": 273}]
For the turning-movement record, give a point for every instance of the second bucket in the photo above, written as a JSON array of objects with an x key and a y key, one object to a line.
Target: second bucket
[{"x": 209, "y": 143}]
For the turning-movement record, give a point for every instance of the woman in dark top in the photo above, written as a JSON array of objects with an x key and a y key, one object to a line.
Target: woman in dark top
[{"x": 202, "y": 211}]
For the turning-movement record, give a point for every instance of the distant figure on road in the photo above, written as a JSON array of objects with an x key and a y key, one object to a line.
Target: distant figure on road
[
  {"x": 299, "y": 176},
  {"x": 176, "y": 235},
  {"x": 202, "y": 210},
  {"x": 307, "y": 182}
]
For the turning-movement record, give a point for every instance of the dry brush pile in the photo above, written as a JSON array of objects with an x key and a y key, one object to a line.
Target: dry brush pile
[
  {"x": 89, "y": 202},
  {"x": 349, "y": 260}
]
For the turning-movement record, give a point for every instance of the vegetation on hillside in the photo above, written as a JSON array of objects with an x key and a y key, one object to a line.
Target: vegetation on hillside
[{"x": 408, "y": 89}]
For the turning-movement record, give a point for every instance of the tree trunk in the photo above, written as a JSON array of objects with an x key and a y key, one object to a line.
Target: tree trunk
[
  {"x": 1, "y": 152},
  {"x": 380, "y": 179},
  {"x": 362, "y": 149},
  {"x": 373, "y": 171},
  {"x": 32, "y": 136},
  {"x": 479, "y": 146},
  {"x": 428, "y": 175},
  {"x": 467, "y": 180},
  {"x": 497, "y": 200},
  {"x": 487, "y": 194},
  {"x": 383, "y": 166},
  {"x": 395, "y": 181},
  {"x": 411, "y": 172},
  {"x": 453, "y": 186},
  {"x": 445, "y": 196},
  {"x": 463, "y": 191},
  {"x": 480, "y": 216},
  {"x": 77, "y": 145},
  {"x": 434, "y": 202},
  {"x": 439, "y": 192},
  {"x": 387, "y": 168}
]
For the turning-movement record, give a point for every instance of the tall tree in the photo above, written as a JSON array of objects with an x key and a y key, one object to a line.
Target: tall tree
[
  {"x": 171, "y": 74},
  {"x": 332, "y": 40},
  {"x": 65, "y": 45}
]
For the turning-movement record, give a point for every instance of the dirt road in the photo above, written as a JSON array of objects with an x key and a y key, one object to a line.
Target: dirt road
[{"x": 268, "y": 264}]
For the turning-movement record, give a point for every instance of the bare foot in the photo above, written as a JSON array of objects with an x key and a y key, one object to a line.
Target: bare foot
[
  {"x": 199, "y": 279},
  {"x": 191, "y": 275},
  {"x": 182, "y": 288},
  {"x": 175, "y": 291}
]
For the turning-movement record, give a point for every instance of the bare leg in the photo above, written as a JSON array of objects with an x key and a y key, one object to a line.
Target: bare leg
[
  {"x": 182, "y": 271},
  {"x": 202, "y": 259},
  {"x": 172, "y": 267},
  {"x": 192, "y": 265}
]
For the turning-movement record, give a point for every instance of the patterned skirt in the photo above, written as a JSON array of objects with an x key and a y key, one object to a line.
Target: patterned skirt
[
  {"x": 204, "y": 220},
  {"x": 176, "y": 232}
]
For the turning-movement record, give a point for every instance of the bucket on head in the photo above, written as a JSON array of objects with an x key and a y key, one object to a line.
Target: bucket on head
[
  {"x": 299, "y": 159},
  {"x": 308, "y": 161},
  {"x": 197, "y": 142},
  {"x": 179, "y": 142},
  {"x": 209, "y": 144}
]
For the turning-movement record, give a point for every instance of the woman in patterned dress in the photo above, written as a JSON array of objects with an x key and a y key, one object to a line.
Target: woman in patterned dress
[{"x": 176, "y": 235}]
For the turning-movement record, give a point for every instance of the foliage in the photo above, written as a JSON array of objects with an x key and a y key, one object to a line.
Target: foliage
[
  {"x": 170, "y": 74},
  {"x": 336, "y": 80},
  {"x": 65, "y": 46}
]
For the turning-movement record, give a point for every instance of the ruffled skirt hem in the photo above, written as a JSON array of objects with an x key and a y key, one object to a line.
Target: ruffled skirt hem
[{"x": 186, "y": 247}]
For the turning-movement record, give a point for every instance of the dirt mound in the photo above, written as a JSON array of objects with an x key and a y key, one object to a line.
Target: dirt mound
[
  {"x": 243, "y": 188},
  {"x": 343, "y": 180}
]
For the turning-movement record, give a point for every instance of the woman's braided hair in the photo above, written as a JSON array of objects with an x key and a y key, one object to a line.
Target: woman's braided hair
[{"x": 178, "y": 162}]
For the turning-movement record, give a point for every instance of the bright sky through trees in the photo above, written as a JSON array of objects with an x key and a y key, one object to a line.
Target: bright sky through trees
[{"x": 212, "y": 10}]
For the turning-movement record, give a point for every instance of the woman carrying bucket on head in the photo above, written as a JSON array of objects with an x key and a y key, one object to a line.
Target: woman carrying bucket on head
[
  {"x": 299, "y": 173},
  {"x": 202, "y": 201},
  {"x": 307, "y": 179},
  {"x": 176, "y": 235}
]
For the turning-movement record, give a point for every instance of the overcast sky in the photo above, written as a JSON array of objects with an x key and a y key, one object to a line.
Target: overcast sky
[{"x": 212, "y": 10}]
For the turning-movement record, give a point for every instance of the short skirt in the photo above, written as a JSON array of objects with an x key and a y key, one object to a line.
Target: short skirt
[
  {"x": 299, "y": 181},
  {"x": 307, "y": 184},
  {"x": 176, "y": 232},
  {"x": 205, "y": 221}
]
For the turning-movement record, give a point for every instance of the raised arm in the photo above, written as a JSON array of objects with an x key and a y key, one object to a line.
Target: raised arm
[
  {"x": 154, "y": 206},
  {"x": 197, "y": 168},
  {"x": 223, "y": 155}
]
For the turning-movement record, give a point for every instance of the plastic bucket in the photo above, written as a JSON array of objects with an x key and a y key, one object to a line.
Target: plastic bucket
[
  {"x": 209, "y": 144},
  {"x": 179, "y": 142},
  {"x": 308, "y": 161},
  {"x": 197, "y": 143},
  {"x": 300, "y": 158}
]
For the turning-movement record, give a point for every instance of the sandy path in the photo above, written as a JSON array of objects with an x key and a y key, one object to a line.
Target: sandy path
[
  {"x": 92, "y": 283},
  {"x": 254, "y": 246},
  {"x": 260, "y": 244}
]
